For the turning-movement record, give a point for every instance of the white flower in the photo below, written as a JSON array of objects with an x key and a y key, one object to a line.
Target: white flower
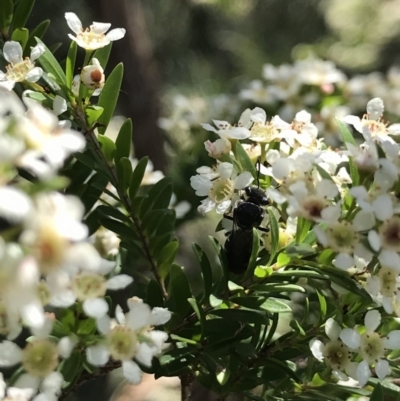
[
  {"x": 20, "y": 70},
  {"x": 334, "y": 352},
  {"x": 219, "y": 186},
  {"x": 262, "y": 130},
  {"x": 320, "y": 73},
  {"x": 383, "y": 288},
  {"x": 371, "y": 347},
  {"x": 92, "y": 75},
  {"x": 373, "y": 121},
  {"x": 312, "y": 202},
  {"x": 47, "y": 143},
  {"x": 53, "y": 228},
  {"x": 218, "y": 148},
  {"x": 226, "y": 131},
  {"x": 130, "y": 336},
  {"x": 300, "y": 132},
  {"x": 95, "y": 37}
]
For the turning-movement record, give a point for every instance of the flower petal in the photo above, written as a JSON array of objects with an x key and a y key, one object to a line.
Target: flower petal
[
  {"x": 12, "y": 51},
  {"x": 372, "y": 320},
  {"x": 118, "y": 282},
  {"x": 95, "y": 308},
  {"x": 116, "y": 34},
  {"x": 10, "y": 354},
  {"x": 243, "y": 180},
  {"x": 73, "y": 22},
  {"x": 160, "y": 316},
  {"x": 317, "y": 349},
  {"x": 351, "y": 338},
  {"x": 132, "y": 372},
  {"x": 97, "y": 355},
  {"x": 392, "y": 341},
  {"x": 382, "y": 368},
  {"x": 363, "y": 373}
]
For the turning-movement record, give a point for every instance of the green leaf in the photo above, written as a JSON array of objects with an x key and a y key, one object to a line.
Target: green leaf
[
  {"x": 274, "y": 227},
  {"x": 166, "y": 256},
  {"x": 346, "y": 134},
  {"x": 277, "y": 287},
  {"x": 38, "y": 32},
  {"x": 244, "y": 160},
  {"x": 107, "y": 147},
  {"x": 22, "y": 13},
  {"x": 103, "y": 55},
  {"x": 71, "y": 367},
  {"x": 112, "y": 211},
  {"x": 109, "y": 96},
  {"x": 206, "y": 271},
  {"x": 242, "y": 315},
  {"x": 301, "y": 250},
  {"x": 198, "y": 310},
  {"x": 254, "y": 253},
  {"x": 283, "y": 260},
  {"x": 86, "y": 326},
  {"x": 322, "y": 305},
  {"x": 124, "y": 140},
  {"x": 70, "y": 65},
  {"x": 137, "y": 177},
  {"x": 274, "y": 306},
  {"x": 124, "y": 173},
  {"x": 154, "y": 295},
  {"x": 377, "y": 394},
  {"x": 51, "y": 65},
  {"x": 159, "y": 196},
  {"x": 92, "y": 193},
  {"x": 21, "y": 35},
  {"x": 179, "y": 290},
  {"x": 302, "y": 229},
  {"x": 390, "y": 389},
  {"x": 295, "y": 325},
  {"x": 117, "y": 227},
  {"x": 6, "y": 14},
  {"x": 92, "y": 115}
]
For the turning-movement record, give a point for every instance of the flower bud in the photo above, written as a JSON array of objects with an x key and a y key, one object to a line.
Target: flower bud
[{"x": 92, "y": 76}]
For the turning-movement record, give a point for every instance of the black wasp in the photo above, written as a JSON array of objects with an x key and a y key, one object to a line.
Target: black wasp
[{"x": 247, "y": 213}]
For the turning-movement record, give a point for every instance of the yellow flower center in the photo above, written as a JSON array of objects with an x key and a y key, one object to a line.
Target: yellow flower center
[{"x": 17, "y": 72}]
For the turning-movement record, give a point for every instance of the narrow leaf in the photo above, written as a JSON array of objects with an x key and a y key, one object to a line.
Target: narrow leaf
[
  {"x": 124, "y": 140},
  {"x": 70, "y": 64},
  {"x": 50, "y": 64},
  {"x": 274, "y": 228},
  {"x": 179, "y": 291},
  {"x": 6, "y": 14},
  {"x": 109, "y": 96},
  {"x": 347, "y": 136},
  {"x": 199, "y": 313},
  {"x": 124, "y": 172},
  {"x": 275, "y": 306},
  {"x": 38, "y": 32},
  {"x": 103, "y": 55},
  {"x": 22, "y": 13},
  {"x": 137, "y": 177},
  {"x": 107, "y": 147},
  {"x": 322, "y": 305},
  {"x": 206, "y": 270},
  {"x": 244, "y": 160}
]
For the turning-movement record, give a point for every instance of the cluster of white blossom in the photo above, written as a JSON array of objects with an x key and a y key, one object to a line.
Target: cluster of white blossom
[
  {"x": 312, "y": 84},
  {"x": 350, "y": 196},
  {"x": 48, "y": 263}
]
